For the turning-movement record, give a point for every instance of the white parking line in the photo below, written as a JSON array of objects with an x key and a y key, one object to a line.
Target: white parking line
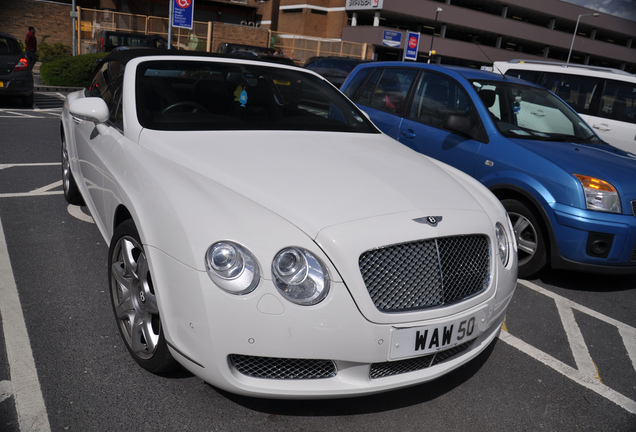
[
  {"x": 43, "y": 113},
  {"x": 586, "y": 373},
  {"x": 27, "y": 393},
  {"x": 5, "y": 166},
  {"x": 44, "y": 190}
]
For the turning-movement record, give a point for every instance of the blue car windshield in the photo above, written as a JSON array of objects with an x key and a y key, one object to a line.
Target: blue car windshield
[
  {"x": 520, "y": 111},
  {"x": 222, "y": 95}
]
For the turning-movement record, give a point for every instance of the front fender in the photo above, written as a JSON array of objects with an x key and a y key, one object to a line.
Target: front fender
[{"x": 182, "y": 213}]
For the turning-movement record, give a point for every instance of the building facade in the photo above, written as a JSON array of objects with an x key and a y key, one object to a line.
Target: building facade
[
  {"x": 465, "y": 32},
  {"x": 478, "y": 32}
]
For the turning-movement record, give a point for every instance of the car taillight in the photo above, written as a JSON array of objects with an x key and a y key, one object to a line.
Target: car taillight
[{"x": 21, "y": 65}]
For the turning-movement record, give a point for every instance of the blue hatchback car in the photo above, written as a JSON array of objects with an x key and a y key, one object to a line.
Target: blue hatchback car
[{"x": 571, "y": 197}]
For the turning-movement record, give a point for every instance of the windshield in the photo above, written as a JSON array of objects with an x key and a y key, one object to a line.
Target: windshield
[
  {"x": 527, "y": 112},
  {"x": 213, "y": 95}
]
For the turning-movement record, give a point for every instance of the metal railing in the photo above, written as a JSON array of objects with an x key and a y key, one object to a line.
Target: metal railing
[{"x": 200, "y": 38}]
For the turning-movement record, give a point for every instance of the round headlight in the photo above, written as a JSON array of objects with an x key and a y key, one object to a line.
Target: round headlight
[
  {"x": 503, "y": 245},
  {"x": 300, "y": 276},
  {"x": 232, "y": 267}
]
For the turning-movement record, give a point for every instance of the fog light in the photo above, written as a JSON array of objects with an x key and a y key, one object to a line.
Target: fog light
[{"x": 599, "y": 244}]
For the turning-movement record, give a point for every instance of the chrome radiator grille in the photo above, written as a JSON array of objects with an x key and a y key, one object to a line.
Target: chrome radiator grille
[{"x": 427, "y": 273}]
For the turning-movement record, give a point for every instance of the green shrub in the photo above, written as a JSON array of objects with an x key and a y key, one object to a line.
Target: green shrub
[
  {"x": 70, "y": 71},
  {"x": 50, "y": 52}
]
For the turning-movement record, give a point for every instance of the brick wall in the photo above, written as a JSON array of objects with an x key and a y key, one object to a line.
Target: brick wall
[
  {"x": 238, "y": 34},
  {"x": 52, "y": 21}
]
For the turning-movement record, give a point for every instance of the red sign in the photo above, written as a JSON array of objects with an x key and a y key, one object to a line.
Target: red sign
[
  {"x": 412, "y": 42},
  {"x": 184, "y": 4}
]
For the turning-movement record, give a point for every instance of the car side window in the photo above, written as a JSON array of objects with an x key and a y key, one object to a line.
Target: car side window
[
  {"x": 436, "y": 97},
  {"x": 576, "y": 90},
  {"x": 356, "y": 82},
  {"x": 392, "y": 88},
  {"x": 9, "y": 46},
  {"x": 107, "y": 84},
  {"x": 532, "y": 76},
  {"x": 619, "y": 101},
  {"x": 365, "y": 95}
]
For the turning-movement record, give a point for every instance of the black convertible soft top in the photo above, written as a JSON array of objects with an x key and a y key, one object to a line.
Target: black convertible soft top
[{"x": 124, "y": 55}]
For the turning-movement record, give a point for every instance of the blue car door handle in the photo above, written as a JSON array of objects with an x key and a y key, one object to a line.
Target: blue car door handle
[{"x": 408, "y": 133}]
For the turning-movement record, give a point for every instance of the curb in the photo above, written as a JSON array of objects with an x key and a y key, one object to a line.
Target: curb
[{"x": 43, "y": 88}]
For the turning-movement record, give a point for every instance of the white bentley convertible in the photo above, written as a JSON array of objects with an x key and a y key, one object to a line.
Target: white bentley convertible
[{"x": 267, "y": 237}]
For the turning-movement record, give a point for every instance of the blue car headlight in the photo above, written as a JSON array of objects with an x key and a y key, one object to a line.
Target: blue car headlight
[{"x": 599, "y": 194}]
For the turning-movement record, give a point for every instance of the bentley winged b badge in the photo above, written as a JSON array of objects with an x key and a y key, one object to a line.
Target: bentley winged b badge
[{"x": 430, "y": 220}]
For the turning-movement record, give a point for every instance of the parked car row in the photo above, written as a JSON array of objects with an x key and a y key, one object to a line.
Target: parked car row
[{"x": 267, "y": 236}]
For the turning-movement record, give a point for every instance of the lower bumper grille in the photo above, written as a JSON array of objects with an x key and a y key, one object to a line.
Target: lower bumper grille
[
  {"x": 386, "y": 369},
  {"x": 308, "y": 369},
  {"x": 283, "y": 368}
]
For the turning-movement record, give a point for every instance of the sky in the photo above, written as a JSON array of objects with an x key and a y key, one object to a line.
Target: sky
[{"x": 621, "y": 8}]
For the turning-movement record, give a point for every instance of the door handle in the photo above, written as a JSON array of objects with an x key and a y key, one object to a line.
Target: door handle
[
  {"x": 602, "y": 127},
  {"x": 408, "y": 133}
]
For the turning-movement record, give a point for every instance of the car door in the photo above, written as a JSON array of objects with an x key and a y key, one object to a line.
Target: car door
[
  {"x": 95, "y": 141},
  {"x": 429, "y": 127},
  {"x": 615, "y": 121},
  {"x": 384, "y": 95}
]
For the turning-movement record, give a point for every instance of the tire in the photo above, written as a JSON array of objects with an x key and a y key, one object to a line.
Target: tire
[
  {"x": 71, "y": 192},
  {"x": 134, "y": 301},
  {"x": 27, "y": 101},
  {"x": 530, "y": 237}
]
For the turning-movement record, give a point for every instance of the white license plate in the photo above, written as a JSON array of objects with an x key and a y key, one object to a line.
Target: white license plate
[{"x": 417, "y": 341}]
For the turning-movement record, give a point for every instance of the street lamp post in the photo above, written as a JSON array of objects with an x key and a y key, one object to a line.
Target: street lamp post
[
  {"x": 576, "y": 28},
  {"x": 430, "y": 51}
]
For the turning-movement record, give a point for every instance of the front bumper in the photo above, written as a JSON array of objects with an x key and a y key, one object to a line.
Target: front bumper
[
  {"x": 261, "y": 345},
  {"x": 577, "y": 230}
]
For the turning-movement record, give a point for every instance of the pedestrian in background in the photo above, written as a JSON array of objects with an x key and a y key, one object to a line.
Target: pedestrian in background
[{"x": 31, "y": 46}]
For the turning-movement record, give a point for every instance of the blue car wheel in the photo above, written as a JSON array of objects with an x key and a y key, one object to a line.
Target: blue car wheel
[{"x": 531, "y": 241}]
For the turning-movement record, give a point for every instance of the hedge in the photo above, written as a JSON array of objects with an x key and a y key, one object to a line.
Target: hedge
[{"x": 68, "y": 71}]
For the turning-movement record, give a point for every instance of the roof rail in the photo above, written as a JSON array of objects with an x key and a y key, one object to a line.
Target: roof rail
[{"x": 574, "y": 65}]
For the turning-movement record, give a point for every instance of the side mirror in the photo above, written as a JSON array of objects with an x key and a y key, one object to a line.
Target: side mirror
[
  {"x": 92, "y": 109},
  {"x": 458, "y": 123}
]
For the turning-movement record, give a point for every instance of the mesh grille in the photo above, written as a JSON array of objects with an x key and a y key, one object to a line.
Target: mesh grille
[
  {"x": 634, "y": 208},
  {"x": 632, "y": 259},
  {"x": 381, "y": 370},
  {"x": 426, "y": 273},
  {"x": 283, "y": 368}
]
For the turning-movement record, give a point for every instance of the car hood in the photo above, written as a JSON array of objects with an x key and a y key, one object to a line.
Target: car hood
[
  {"x": 316, "y": 180},
  {"x": 597, "y": 160}
]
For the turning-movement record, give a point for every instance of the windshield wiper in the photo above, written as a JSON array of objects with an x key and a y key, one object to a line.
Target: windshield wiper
[{"x": 564, "y": 138}]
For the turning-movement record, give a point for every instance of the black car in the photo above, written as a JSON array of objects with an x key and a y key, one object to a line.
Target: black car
[
  {"x": 254, "y": 52},
  {"x": 334, "y": 69},
  {"x": 16, "y": 79},
  {"x": 109, "y": 40}
]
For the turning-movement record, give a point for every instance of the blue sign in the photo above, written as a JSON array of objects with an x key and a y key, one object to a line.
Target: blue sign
[
  {"x": 392, "y": 39},
  {"x": 412, "y": 44},
  {"x": 182, "y": 13}
]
